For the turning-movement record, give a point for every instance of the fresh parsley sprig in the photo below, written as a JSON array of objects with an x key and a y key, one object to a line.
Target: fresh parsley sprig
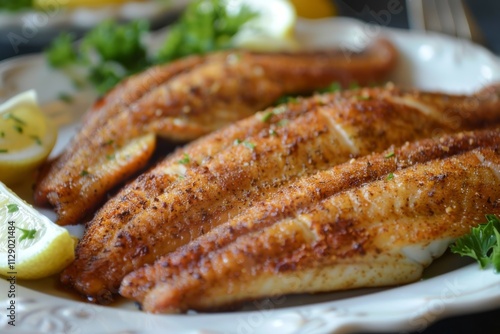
[
  {"x": 185, "y": 159},
  {"x": 205, "y": 26},
  {"x": 482, "y": 243},
  {"x": 109, "y": 52},
  {"x": 113, "y": 51}
]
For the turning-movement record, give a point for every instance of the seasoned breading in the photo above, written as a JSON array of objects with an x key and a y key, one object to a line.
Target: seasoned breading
[
  {"x": 182, "y": 101},
  {"x": 219, "y": 176}
]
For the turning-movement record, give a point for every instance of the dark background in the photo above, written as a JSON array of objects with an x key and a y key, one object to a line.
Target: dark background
[{"x": 487, "y": 14}]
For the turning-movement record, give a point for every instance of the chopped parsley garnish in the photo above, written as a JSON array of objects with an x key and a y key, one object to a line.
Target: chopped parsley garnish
[
  {"x": 27, "y": 234},
  {"x": 14, "y": 118},
  {"x": 4, "y": 150},
  {"x": 249, "y": 145},
  {"x": 84, "y": 173},
  {"x": 332, "y": 88},
  {"x": 389, "y": 155},
  {"x": 283, "y": 122},
  {"x": 272, "y": 132},
  {"x": 36, "y": 139},
  {"x": 482, "y": 243},
  {"x": 287, "y": 99},
  {"x": 18, "y": 128},
  {"x": 390, "y": 177},
  {"x": 267, "y": 116},
  {"x": 2, "y": 134},
  {"x": 110, "y": 157},
  {"x": 185, "y": 159},
  {"x": 245, "y": 143},
  {"x": 12, "y": 208}
]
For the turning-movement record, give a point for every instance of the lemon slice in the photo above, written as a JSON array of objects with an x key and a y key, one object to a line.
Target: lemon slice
[
  {"x": 26, "y": 137},
  {"x": 31, "y": 246},
  {"x": 271, "y": 30}
]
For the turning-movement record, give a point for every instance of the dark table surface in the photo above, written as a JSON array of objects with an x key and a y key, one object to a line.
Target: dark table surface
[{"x": 487, "y": 13}]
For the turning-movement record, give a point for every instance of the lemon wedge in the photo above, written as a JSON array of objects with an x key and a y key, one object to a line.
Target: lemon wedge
[
  {"x": 31, "y": 246},
  {"x": 26, "y": 137},
  {"x": 271, "y": 30}
]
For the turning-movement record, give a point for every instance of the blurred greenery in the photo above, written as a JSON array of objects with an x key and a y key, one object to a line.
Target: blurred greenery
[
  {"x": 109, "y": 52},
  {"x": 112, "y": 51}
]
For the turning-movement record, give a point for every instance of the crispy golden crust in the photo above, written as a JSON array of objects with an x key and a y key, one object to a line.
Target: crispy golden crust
[
  {"x": 177, "y": 201},
  {"x": 350, "y": 226},
  {"x": 60, "y": 181},
  {"x": 182, "y": 101}
]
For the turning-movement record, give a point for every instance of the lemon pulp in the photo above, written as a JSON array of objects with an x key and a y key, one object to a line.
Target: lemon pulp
[
  {"x": 31, "y": 246},
  {"x": 26, "y": 137}
]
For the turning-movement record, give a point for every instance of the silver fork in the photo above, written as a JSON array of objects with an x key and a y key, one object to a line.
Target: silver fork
[{"x": 451, "y": 17}]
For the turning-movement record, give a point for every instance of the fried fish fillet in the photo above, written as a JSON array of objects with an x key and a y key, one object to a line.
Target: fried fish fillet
[
  {"x": 180, "y": 102},
  {"x": 218, "y": 176},
  {"x": 376, "y": 221}
]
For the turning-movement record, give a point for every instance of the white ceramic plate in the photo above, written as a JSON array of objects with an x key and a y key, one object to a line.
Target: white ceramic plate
[{"x": 450, "y": 286}]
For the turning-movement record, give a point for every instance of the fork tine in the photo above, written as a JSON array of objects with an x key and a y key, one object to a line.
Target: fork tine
[
  {"x": 466, "y": 25},
  {"x": 463, "y": 27},
  {"x": 416, "y": 17},
  {"x": 432, "y": 16},
  {"x": 446, "y": 17}
]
